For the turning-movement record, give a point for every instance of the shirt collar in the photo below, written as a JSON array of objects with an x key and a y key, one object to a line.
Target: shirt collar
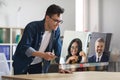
[{"x": 99, "y": 56}]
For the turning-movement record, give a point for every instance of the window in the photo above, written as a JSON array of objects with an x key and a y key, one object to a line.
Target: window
[{"x": 79, "y": 15}]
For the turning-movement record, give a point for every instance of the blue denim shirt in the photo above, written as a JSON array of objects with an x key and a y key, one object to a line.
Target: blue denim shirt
[{"x": 30, "y": 42}]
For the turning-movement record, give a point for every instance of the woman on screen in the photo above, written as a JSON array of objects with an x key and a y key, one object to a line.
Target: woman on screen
[{"x": 75, "y": 53}]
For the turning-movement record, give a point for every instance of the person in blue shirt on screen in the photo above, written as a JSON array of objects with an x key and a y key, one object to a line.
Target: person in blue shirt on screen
[{"x": 35, "y": 49}]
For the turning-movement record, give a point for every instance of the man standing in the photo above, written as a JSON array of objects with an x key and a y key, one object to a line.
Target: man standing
[{"x": 40, "y": 38}]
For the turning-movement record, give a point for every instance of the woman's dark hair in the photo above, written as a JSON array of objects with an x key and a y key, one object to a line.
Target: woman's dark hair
[
  {"x": 79, "y": 42},
  {"x": 54, "y": 9}
]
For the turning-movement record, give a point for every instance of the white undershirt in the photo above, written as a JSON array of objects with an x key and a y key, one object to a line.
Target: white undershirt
[
  {"x": 43, "y": 46},
  {"x": 98, "y": 57}
]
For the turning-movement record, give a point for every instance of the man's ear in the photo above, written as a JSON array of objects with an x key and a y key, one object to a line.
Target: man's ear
[{"x": 47, "y": 17}]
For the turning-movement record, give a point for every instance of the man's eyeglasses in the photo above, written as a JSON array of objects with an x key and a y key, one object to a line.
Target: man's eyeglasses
[{"x": 57, "y": 21}]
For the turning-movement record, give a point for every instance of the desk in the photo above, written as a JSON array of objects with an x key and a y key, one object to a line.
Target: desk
[{"x": 74, "y": 76}]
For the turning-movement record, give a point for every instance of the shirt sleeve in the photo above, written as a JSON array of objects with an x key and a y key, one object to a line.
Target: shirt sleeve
[{"x": 29, "y": 51}]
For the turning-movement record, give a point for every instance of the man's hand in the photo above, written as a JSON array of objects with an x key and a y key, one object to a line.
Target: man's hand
[
  {"x": 49, "y": 56},
  {"x": 65, "y": 71},
  {"x": 61, "y": 70},
  {"x": 46, "y": 55}
]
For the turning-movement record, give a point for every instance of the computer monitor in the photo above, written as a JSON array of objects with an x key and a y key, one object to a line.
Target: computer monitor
[{"x": 81, "y": 50}]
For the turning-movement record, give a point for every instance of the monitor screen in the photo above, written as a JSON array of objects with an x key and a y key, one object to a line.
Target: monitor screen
[{"x": 85, "y": 51}]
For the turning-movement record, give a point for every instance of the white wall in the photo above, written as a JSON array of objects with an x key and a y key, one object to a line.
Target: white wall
[
  {"x": 110, "y": 20},
  {"x": 104, "y": 16},
  {"x": 18, "y": 13},
  {"x": 93, "y": 15}
]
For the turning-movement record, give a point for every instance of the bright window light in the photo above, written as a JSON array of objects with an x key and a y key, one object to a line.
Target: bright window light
[{"x": 79, "y": 15}]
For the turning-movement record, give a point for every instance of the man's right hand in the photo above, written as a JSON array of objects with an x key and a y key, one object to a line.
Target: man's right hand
[
  {"x": 65, "y": 71},
  {"x": 49, "y": 56},
  {"x": 46, "y": 55}
]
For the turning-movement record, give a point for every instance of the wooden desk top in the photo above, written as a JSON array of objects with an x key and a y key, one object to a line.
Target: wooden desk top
[{"x": 74, "y": 76}]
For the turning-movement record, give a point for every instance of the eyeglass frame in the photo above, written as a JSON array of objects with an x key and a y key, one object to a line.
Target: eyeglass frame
[{"x": 57, "y": 21}]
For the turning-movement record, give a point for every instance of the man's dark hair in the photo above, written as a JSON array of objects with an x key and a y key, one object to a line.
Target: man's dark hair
[{"x": 54, "y": 9}]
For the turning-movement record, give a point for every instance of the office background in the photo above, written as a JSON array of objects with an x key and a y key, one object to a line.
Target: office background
[{"x": 98, "y": 15}]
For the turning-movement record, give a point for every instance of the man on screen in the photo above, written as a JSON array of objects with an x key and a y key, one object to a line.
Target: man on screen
[{"x": 100, "y": 55}]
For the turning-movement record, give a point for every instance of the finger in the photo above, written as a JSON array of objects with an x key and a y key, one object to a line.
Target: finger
[
  {"x": 65, "y": 71},
  {"x": 52, "y": 54}
]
